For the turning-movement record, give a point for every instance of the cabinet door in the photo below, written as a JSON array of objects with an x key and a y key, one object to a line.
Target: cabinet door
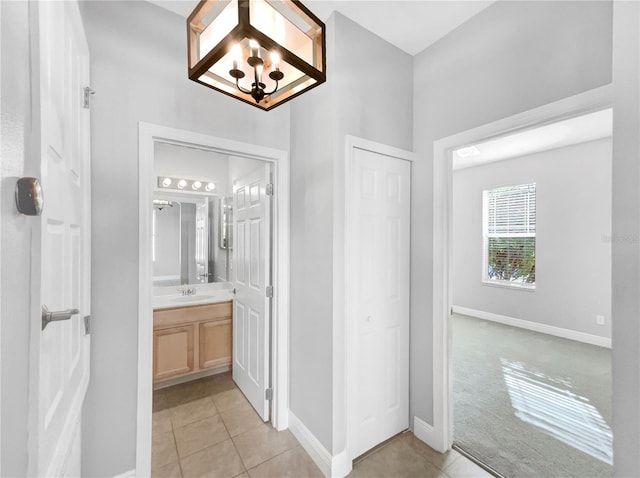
[
  {"x": 172, "y": 352},
  {"x": 215, "y": 343}
]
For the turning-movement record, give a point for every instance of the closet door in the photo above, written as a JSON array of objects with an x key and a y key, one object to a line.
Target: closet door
[{"x": 379, "y": 318}]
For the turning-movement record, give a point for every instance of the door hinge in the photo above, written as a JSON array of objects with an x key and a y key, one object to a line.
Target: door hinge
[
  {"x": 269, "y": 189},
  {"x": 88, "y": 93},
  {"x": 87, "y": 324},
  {"x": 268, "y": 394},
  {"x": 269, "y": 292}
]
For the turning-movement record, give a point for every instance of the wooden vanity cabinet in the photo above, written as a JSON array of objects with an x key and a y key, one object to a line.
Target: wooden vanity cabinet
[{"x": 191, "y": 339}]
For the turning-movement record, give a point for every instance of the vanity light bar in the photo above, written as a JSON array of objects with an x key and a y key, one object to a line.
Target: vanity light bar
[{"x": 181, "y": 184}]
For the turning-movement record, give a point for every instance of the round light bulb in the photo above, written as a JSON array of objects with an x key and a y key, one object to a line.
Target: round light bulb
[
  {"x": 196, "y": 185},
  {"x": 181, "y": 184},
  {"x": 210, "y": 186},
  {"x": 166, "y": 182}
]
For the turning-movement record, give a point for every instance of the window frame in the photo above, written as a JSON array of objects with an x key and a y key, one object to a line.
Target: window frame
[{"x": 486, "y": 280}]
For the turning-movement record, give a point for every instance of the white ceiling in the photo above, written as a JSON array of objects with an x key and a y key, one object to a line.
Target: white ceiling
[
  {"x": 411, "y": 25},
  {"x": 576, "y": 130}
]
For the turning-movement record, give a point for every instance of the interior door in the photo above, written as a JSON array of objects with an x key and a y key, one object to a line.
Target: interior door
[
  {"x": 380, "y": 209},
  {"x": 251, "y": 271},
  {"x": 59, "y": 354}
]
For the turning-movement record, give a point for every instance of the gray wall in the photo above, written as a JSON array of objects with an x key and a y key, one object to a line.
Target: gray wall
[
  {"x": 17, "y": 232},
  {"x": 191, "y": 163},
  {"x": 573, "y": 230},
  {"x": 626, "y": 243},
  {"x": 511, "y": 57},
  {"x": 320, "y": 120},
  {"x": 138, "y": 68}
]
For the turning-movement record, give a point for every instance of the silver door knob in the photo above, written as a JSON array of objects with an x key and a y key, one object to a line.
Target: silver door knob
[{"x": 48, "y": 316}]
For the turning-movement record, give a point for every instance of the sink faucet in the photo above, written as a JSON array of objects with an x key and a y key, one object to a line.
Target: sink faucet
[{"x": 189, "y": 291}]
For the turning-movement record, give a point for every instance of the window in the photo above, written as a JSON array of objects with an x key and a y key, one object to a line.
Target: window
[{"x": 509, "y": 232}]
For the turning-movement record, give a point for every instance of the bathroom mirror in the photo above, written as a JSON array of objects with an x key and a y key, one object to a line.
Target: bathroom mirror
[{"x": 191, "y": 238}]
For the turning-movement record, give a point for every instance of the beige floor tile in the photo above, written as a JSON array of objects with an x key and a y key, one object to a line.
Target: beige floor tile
[
  {"x": 263, "y": 443},
  {"x": 230, "y": 399},
  {"x": 182, "y": 415},
  {"x": 465, "y": 468},
  {"x": 241, "y": 419},
  {"x": 160, "y": 401},
  {"x": 219, "y": 461},
  {"x": 399, "y": 458},
  {"x": 294, "y": 463},
  {"x": 163, "y": 450},
  {"x": 440, "y": 460},
  {"x": 171, "y": 470},
  {"x": 185, "y": 393},
  {"x": 243, "y": 475},
  {"x": 162, "y": 421},
  {"x": 219, "y": 383},
  {"x": 199, "y": 435}
]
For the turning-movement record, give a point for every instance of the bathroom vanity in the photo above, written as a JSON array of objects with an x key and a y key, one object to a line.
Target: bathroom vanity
[{"x": 191, "y": 338}]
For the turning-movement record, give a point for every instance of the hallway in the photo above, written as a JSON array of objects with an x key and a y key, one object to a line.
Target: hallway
[{"x": 206, "y": 428}]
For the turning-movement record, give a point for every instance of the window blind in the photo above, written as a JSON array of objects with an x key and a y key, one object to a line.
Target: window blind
[{"x": 512, "y": 211}]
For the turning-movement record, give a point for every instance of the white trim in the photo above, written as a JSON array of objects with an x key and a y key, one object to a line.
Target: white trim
[
  {"x": 331, "y": 466},
  {"x": 148, "y": 134},
  {"x": 127, "y": 474},
  {"x": 589, "y": 101},
  {"x": 425, "y": 432},
  {"x": 535, "y": 326},
  {"x": 311, "y": 444},
  {"x": 509, "y": 285},
  {"x": 345, "y": 359}
]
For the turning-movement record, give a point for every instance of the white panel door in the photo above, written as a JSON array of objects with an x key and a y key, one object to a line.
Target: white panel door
[
  {"x": 59, "y": 354},
  {"x": 380, "y": 210},
  {"x": 252, "y": 269}
]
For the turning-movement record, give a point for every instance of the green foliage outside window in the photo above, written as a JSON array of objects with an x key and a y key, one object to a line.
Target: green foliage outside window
[{"x": 512, "y": 259}]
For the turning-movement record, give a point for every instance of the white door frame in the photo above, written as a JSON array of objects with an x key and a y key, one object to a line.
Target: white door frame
[
  {"x": 148, "y": 134},
  {"x": 597, "y": 99},
  {"x": 347, "y": 355}
]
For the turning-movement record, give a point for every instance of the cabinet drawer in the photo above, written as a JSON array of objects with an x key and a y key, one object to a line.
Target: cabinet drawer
[{"x": 194, "y": 313}]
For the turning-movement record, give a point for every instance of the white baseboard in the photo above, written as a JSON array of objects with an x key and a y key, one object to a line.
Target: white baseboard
[
  {"x": 425, "y": 432},
  {"x": 331, "y": 466},
  {"x": 127, "y": 474},
  {"x": 535, "y": 326}
]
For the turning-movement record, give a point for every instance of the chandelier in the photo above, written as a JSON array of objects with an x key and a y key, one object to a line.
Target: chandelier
[{"x": 263, "y": 52}]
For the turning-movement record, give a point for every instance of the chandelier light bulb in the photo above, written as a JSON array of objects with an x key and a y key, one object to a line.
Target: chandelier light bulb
[
  {"x": 181, "y": 184},
  {"x": 255, "y": 48},
  {"x": 275, "y": 61},
  {"x": 210, "y": 187},
  {"x": 236, "y": 55},
  {"x": 166, "y": 182},
  {"x": 196, "y": 185}
]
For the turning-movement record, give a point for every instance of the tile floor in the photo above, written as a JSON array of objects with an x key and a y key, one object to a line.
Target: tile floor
[{"x": 206, "y": 428}]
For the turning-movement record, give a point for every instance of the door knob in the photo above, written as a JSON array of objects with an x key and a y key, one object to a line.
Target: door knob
[{"x": 48, "y": 316}]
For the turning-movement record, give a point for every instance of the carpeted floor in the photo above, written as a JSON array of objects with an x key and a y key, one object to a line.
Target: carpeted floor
[{"x": 529, "y": 404}]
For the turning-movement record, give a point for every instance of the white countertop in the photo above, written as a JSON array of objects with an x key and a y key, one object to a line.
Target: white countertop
[{"x": 170, "y": 297}]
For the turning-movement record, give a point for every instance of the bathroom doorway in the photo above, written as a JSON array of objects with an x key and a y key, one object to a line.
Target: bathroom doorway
[{"x": 220, "y": 289}]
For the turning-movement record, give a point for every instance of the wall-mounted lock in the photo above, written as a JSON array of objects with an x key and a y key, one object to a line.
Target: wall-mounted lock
[{"x": 29, "y": 198}]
